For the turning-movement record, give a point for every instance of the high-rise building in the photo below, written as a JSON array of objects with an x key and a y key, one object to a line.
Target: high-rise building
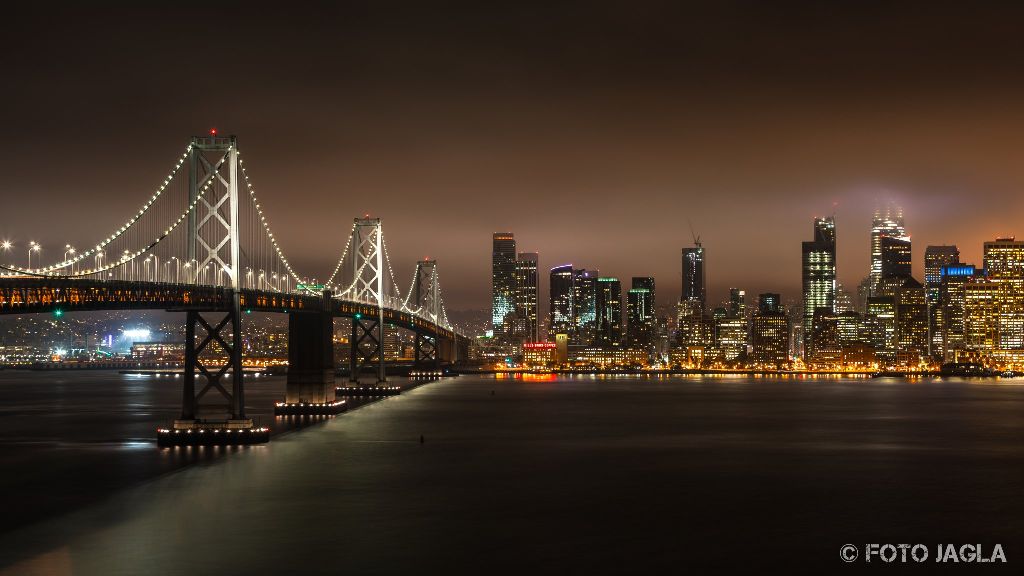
[
  {"x": 609, "y": 312},
  {"x": 641, "y": 322},
  {"x": 887, "y": 223},
  {"x": 526, "y": 326},
  {"x": 503, "y": 282},
  {"x": 584, "y": 306},
  {"x": 952, "y": 301},
  {"x": 911, "y": 323},
  {"x": 981, "y": 315},
  {"x": 935, "y": 257},
  {"x": 769, "y": 333},
  {"x": 731, "y": 337},
  {"x": 694, "y": 280},
  {"x": 737, "y": 303},
  {"x": 1004, "y": 265},
  {"x": 819, "y": 276},
  {"x": 896, "y": 257},
  {"x": 562, "y": 297}
]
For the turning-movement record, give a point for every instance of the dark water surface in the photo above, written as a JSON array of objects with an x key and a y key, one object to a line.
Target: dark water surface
[{"x": 572, "y": 476}]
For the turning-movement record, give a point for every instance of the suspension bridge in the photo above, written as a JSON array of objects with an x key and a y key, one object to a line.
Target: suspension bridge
[{"x": 201, "y": 244}]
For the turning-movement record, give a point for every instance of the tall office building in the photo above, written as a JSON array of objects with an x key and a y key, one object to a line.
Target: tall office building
[
  {"x": 1004, "y": 265},
  {"x": 887, "y": 223},
  {"x": 503, "y": 282},
  {"x": 769, "y": 332},
  {"x": 819, "y": 277},
  {"x": 641, "y": 322},
  {"x": 952, "y": 298},
  {"x": 737, "y": 307},
  {"x": 895, "y": 257},
  {"x": 609, "y": 312},
  {"x": 584, "y": 306},
  {"x": 526, "y": 326},
  {"x": 935, "y": 259},
  {"x": 694, "y": 280},
  {"x": 562, "y": 296}
]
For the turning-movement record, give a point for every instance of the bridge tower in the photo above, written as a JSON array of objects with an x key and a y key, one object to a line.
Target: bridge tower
[
  {"x": 367, "y": 342},
  {"x": 212, "y": 244},
  {"x": 426, "y": 297}
]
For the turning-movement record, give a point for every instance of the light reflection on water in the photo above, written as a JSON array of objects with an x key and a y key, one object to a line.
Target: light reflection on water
[{"x": 578, "y": 475}]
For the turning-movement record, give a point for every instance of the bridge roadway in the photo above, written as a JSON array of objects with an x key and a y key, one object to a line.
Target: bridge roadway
[{"x": 35, "y": 295}]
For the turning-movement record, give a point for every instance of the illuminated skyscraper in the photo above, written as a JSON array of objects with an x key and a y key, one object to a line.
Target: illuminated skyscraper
[
  {"x": 888, "y": 222},
  {"x": 585, "y": 306},
  {"x": 525, "y": 326},
  {"x": 562, "y": 296},
  {"x": 609, "y": 312},
  {"x": 819, "y": 277},
  {"x": 694, "y": 280},
  {"x": 737, "y": 303},
  {"x": 1004, "y": 265},
  {"x": 503, "y": 282},
  {"x": 953, "y": 299},
  {"x": 641, "y": 322},
  {"x": 935, "y": 259},
  {"x": 896, "y": 257},
  {"x": 769, "y": 333}
]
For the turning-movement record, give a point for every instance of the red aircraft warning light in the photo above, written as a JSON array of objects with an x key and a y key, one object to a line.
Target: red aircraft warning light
[{"x": 213, "y": 132}]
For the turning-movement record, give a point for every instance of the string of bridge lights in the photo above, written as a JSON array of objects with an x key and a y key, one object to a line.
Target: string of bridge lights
[
  {"x": 120, "y": 231},
  {"x": 263, "y": 220},
  {"x": 330, "y": 281}
]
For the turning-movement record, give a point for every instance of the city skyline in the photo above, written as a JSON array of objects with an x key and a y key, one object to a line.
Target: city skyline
[{"x": 735, "y": 130}]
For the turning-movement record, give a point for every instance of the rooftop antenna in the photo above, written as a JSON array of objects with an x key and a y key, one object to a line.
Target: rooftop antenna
[{"x": 696, "y": 237}]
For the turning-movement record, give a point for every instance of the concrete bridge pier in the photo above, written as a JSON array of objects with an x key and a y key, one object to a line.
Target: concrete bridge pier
[{"x": 310, "y": 388}]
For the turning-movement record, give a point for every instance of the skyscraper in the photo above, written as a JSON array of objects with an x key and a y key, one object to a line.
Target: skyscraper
[
  {"x": 887, "y": 222},
  {"x": 585, "y": 306},
  {"x": 935, "y": 259},
  {"x": 609, "y": 312},
  {"x": 737, "y": 307},
  {"x": 526, "y": 327},
  {"x": 562, "y": 296},
  {"x": 503, "y": 282},
  {"x": 819, "y": 277},
  {"x": 641, "y": 322},
  {"x": 1004, "y": 265},
  {"x": 769, "y": 334},
  {"x": 895, "y": 257},
  {"x": 952, "y": 297},
  {"x": 694, "y": 281}
]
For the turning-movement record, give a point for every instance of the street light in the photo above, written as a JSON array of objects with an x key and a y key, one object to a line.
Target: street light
[
  {"x": 69, "y": 249},
  {"x": 32, "y": 247}
]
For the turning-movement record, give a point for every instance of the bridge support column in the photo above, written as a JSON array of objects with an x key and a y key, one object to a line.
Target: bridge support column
[
  {"x": 367, "y": 347},
  {"x": 310, "y": 388},
  {"x": 190, "y": 429},
  {"x": 427, "y": 361}
]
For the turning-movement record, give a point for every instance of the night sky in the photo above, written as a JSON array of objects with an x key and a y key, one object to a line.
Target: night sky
[{"x": 594, "y": 131}]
